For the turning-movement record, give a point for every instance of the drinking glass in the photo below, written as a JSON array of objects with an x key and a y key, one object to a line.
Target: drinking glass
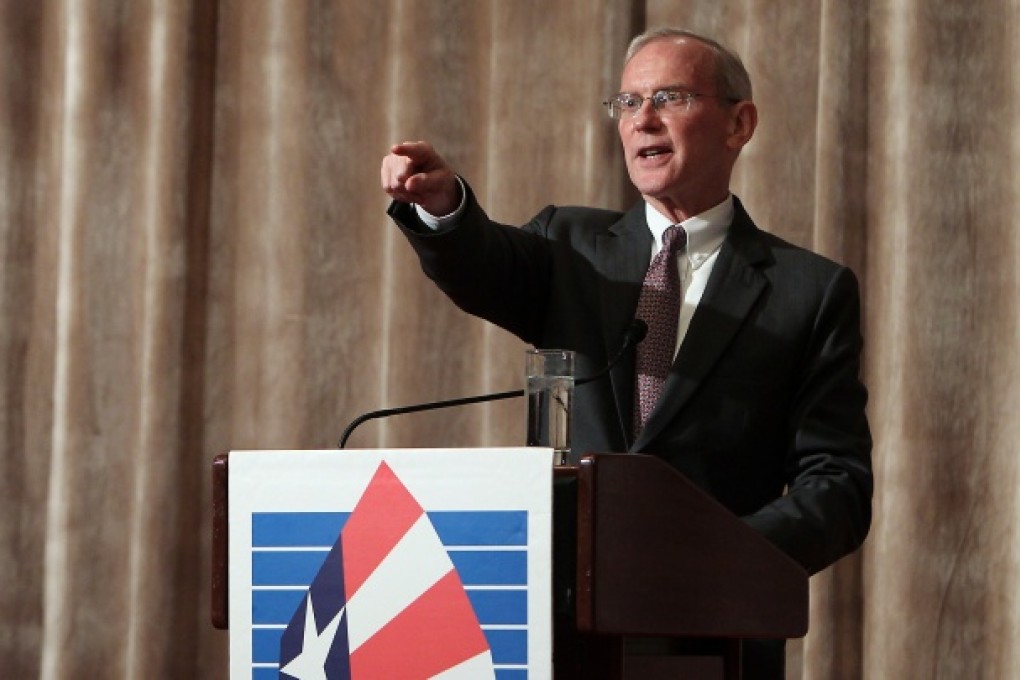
[{"x": 550, "y": 390}]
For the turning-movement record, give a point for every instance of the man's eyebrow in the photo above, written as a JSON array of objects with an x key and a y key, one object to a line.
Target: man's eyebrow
[{"x": 659, "y": 88}]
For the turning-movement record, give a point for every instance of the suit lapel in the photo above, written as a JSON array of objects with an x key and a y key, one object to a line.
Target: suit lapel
[
  {"x": 622, "y": 255},
  {"x": 734, "y": 286}
]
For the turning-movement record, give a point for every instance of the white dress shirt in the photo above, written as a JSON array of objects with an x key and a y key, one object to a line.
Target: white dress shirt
[{"x": 705, "y": 235}]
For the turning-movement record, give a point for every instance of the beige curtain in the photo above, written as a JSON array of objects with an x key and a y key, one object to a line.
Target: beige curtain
[{"x": 195, "y": 258}]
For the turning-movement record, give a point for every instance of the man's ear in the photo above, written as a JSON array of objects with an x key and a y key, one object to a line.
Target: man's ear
[{"x": 743, "y": 121}]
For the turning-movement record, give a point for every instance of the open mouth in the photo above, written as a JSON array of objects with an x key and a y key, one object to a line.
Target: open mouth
[{"x": 653, "y": 151}]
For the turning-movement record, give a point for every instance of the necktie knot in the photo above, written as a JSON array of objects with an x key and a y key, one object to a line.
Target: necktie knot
[{"x": 674, "y": 239}]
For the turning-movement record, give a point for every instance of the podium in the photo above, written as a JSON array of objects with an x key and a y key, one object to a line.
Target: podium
[
  {"x": 651, "y": 577},
  {"x": 667, "y": 581}
]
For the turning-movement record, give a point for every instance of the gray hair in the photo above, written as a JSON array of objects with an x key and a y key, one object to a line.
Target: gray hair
[{"x": 732, "y": 78}]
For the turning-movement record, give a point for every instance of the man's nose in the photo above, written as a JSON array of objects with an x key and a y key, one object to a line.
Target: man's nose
[{"x": 647, "y": 116}]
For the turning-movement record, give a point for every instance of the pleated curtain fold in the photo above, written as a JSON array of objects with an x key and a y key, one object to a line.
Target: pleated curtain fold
[{"x": 195, "y": 257}]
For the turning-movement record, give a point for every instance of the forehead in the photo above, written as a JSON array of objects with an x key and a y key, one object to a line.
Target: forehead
[{"x": 673, "y": 61}]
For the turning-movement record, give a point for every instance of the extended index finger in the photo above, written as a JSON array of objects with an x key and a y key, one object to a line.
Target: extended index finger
[{"x": 420, "y": 153}]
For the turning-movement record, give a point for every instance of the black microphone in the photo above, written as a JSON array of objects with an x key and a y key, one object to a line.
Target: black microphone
[{"x": 635, "y": 333}]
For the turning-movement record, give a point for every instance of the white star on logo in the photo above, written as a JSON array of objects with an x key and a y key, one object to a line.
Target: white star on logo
[{"x": 310, "y": 664}]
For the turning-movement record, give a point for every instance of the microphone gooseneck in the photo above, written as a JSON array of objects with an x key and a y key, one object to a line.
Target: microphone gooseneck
[
  {"x": 446, "y": 403},
  {"x": 635, "y": 333}
]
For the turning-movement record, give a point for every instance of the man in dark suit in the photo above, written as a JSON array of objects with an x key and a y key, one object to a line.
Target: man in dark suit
[{"x": 762, "y": 405}]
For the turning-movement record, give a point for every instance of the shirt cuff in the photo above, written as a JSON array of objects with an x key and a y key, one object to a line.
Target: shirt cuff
[{"x": 434, "y": 222}]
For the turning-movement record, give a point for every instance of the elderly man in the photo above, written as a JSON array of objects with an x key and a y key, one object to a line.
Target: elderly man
[{"x": 748, "y": 382}]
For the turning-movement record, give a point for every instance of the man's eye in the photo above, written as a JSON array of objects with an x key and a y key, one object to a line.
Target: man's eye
[{"x": 630, "y": 102}]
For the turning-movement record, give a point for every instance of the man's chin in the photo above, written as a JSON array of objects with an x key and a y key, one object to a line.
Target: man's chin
[
  {"x": 650, "y": 185},
  {"x": 651, "y": 190}
]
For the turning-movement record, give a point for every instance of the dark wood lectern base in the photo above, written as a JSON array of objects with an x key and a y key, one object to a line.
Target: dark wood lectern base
[
  {"x": 581, "y": 656},
  {"x": 672, "y": 667}
]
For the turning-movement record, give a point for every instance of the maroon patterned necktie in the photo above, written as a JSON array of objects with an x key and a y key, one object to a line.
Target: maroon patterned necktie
[{"x": 659, "y": 307}]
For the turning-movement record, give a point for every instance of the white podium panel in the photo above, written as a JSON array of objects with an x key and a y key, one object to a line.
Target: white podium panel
[{"x": 399, "y": 563}]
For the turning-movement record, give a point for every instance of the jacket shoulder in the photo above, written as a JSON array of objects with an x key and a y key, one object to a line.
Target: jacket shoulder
[{"x": 573, "y": 217}]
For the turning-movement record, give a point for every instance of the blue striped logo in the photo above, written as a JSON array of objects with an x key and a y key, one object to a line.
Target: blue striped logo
[{"x": 488, "y": 549}]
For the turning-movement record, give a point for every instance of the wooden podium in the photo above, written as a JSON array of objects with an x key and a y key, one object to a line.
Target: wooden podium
[
  {"x": 665, "y": 578},
  {"x": 652, "y": 578}
]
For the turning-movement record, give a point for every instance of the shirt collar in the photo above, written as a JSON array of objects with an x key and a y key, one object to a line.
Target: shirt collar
[{"x": 705, "y": 231}]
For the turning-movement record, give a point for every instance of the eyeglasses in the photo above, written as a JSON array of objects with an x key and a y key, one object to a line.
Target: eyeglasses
[{"x": 665, "y": 101}]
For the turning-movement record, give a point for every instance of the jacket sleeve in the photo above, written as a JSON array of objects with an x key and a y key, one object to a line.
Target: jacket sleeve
[
  {"x": 826, "y": 511},
  {"x": 498, "y": 272}
]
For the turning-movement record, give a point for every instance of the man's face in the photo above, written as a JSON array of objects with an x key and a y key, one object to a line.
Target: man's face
[{"x": 680, "y": 161}]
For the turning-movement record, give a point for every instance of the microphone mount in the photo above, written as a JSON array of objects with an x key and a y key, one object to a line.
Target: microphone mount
[{"x": 635, "y": 333}]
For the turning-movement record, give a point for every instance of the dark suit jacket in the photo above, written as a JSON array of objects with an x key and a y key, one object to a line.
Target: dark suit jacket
[{"x": 764, "y": 395}]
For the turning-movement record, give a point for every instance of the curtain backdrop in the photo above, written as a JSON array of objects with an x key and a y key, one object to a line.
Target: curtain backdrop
[{"x": 195, "y": 258}]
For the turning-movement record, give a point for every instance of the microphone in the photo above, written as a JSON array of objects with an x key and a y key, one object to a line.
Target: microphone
[{"x": 635, "y": 333}]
